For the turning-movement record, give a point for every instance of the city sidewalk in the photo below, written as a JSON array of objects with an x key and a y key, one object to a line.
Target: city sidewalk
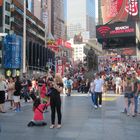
[{"x": 80, "y": 121}]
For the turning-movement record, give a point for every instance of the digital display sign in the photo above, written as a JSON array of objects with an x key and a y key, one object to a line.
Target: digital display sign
[
  {"x": 119, "y": 10},
  {"x": 118, "y": 42},
  {"x": 116, "y": 30},
  {"x": 12, "y": 51}
]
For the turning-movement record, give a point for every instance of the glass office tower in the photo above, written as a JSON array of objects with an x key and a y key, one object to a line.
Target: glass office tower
[{"x": 81, "y": 18}]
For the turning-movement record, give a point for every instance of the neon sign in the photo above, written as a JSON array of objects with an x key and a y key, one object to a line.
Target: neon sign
[{"x": 122, "y": 29}]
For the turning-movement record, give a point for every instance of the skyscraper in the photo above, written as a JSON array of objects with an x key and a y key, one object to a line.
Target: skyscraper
[
  {"x": 100, "y": 20},
  {"x": 81, "y": 20},
  {"x": 57, "y": 19},
  {"x": 37, "y": 8},
  {"x": 28, "y": 4}
]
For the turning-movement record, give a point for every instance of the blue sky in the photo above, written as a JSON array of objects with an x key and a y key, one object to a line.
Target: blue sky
[{"x": 65, "y": 10}]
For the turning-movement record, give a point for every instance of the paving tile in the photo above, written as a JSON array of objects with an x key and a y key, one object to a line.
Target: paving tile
[{"x": 80, "y": 121}]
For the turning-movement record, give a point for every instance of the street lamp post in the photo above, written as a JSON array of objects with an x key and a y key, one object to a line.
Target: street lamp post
[{"x": 24, "y": 38}]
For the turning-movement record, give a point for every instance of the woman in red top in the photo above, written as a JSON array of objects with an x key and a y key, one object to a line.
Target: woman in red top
[{"x": 38, "y": 118}]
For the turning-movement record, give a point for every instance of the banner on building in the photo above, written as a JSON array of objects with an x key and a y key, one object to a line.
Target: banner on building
[
  {"x": 119, "y": 10},
  {"x": 12, "y": 52}
]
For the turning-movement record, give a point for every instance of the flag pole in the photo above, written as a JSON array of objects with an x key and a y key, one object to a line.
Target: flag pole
[{"x": 24, "y": 38}]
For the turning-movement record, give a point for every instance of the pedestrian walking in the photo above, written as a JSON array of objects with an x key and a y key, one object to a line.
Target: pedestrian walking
[
  {"x": 98, "y": 87},
  {"x": 129, "y": 95},
  {"x": 17, "y": 93},
  {"x": 11, "y": 89},
  {"x": 25, "y": 90},
  {"x": 91, "y": 90}
]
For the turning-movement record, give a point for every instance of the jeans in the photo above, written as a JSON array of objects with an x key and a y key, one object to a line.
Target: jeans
[
  {"x": 55, "y": 103},
  {"x": 98, "y": 96},
  {"x": 93, "y": 97},
  {"x": 136, "y": 104}
]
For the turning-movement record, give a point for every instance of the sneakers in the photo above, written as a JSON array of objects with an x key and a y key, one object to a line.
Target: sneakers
[
  {"x": 95, "y": 106},
  {"x": 58, "y": 126},
  {"x": 17, "y": 110},
  {"x": 100, "y": 106},
  {"x": 52, "y": 126}
]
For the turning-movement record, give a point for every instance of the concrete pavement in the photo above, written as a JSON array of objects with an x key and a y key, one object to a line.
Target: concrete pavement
[{"x": 80, "y": 121}]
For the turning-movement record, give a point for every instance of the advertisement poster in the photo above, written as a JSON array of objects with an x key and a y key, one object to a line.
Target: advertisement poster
[
  {"x": 12, "y": 52},
  {"x": 119, "y": 10},
  {"x": 60, "y": 69}
]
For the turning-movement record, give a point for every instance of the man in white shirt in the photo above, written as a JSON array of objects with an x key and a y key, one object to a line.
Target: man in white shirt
[
  {"x": 64, "y": 83},
  {"x": 118, "y": 83},
  {"x": 98, "y": 87}
]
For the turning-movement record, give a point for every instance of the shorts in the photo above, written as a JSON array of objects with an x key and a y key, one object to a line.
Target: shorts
[
  {"x": 16, "y": 99},
  {"x": 10, "y": 96},
  {"x": 2, "y": 97},
  {"x": 129, "y": 95}
]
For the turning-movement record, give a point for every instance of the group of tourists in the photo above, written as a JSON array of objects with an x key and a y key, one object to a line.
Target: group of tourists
[{"x": 43, "y": 92}]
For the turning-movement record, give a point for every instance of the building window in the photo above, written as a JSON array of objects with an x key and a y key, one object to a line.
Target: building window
[
  {"x": 7, "y": 6},
  {"x": 7, "y": 31},
  {"x": 7, "y": 20}
]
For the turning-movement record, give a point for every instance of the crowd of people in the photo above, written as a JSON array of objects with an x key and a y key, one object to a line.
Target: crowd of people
[
  {"x": 122, "y": 77},
  {"x": 43, "y": 92}
]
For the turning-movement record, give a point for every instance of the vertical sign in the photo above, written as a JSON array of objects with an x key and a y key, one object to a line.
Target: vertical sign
[
  {"x": 60, "y": 69},
  {"x": 12, "y": 52}
]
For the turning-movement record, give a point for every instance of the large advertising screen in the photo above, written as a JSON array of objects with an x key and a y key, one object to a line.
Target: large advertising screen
[
  {"x": 119, "y": 10},
  {"x": 116, "y": 30},
  {"x": 117, "y": 35},
  {"x": 12, "y": 52},
  {"x": 119, "y": 42}
]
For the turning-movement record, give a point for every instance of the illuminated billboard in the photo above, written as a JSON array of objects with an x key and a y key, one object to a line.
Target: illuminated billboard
[
  {"x": 117, "y": 35},
  {"x": 119, "y": 10},
  {"x": 116, "y": 30}
]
